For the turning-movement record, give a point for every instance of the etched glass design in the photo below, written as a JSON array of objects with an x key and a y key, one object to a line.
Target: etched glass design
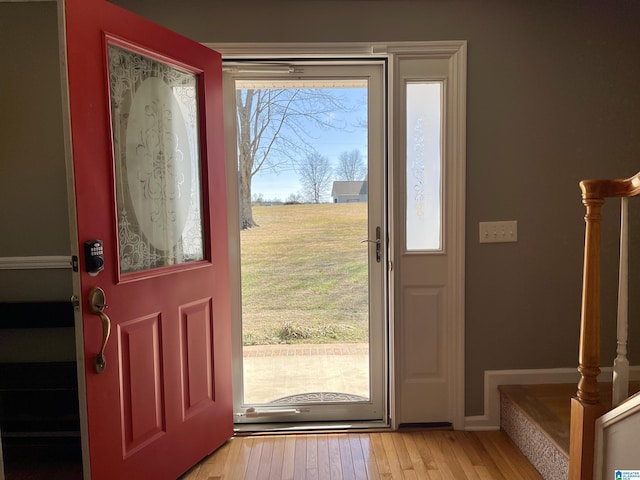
[
  {"x": 424, "y": 166},
  {"x": 154, "y": 110}
]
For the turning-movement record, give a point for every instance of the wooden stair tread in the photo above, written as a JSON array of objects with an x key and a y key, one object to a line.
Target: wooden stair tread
[{"x": 549, "y": 406}]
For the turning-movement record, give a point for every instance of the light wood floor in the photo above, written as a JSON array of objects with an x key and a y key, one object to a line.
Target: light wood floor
[{"x": 430, "y": 455}]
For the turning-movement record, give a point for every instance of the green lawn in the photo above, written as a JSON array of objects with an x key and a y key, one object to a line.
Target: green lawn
[{"x": 304, "y": 274}]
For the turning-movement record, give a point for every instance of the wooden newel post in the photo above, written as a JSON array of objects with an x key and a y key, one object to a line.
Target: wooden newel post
[{"x": 586, "y": 406}]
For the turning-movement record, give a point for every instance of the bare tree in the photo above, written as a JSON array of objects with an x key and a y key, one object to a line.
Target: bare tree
[
  {"x": 294, "y": 198},
  {"x": 315, "y": 175},
  {"x": 274, "y": 127},
  {"x": 351, "y": 166}
]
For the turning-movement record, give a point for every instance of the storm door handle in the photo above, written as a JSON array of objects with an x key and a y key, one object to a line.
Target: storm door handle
[{"x": 377, "y": 241}]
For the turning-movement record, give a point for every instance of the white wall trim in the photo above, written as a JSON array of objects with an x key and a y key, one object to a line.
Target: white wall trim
[
  {"x": 35, "y": 263},
  {"x": 493, "y": 378},
  {"x": 456, "y": 52},
  {"x": 231, "y": 50}
]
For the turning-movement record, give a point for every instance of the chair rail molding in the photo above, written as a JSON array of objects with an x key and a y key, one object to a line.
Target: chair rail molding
[{"x": 36, "y": 263}]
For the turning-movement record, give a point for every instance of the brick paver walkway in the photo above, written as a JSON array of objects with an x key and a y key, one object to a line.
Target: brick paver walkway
[{"x": 304, "y": 349}]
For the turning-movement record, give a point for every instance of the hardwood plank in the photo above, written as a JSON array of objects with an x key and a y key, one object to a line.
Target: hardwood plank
[
  {"x": 357, "y": 457},
  {"x": 484, "y": 474},
  {"x": 335, "y": 462},
  {"x": 499, "y": 459},
  {"x": 425, "y": 452},
  {"x": 440, "y": 463},
  {"x": 230, "y": 461},
  {"x": 300, "y": 458},
  {"x": 469, "y": 443},
  {"x": 483, "y": 458},
  {"x": 496, "y": 443},
  {"x": 288, "y": 465},
  {"x": 277, "y": 459},
  {"x": 433, "y": 473},
  {"x": 436, "y": 475},
  {"x": 369, "y": 457},
  {"x": 414, "y": 456},
  {"x": 324, "y": 464},
  {"x": 460, "y": 448},
  {"x": 380, "y": 455},
  {"x": 446, "y": 456},
  {"x": 392, "y": 455},
  {"x": 264, "y": 467},
  {"x": 401, "y": 451},
  {"x": 254, "y": 459},
  {"x": 312, "y": 451},
  {"x": 346, "y": 459},
  {"x": 508, "y": 451},
  {"x": 432, "y": 455},
  {"x": 240, "y": 466}
]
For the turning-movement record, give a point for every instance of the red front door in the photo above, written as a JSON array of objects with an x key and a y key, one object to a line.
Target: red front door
[{"x": 147, "y": 143}]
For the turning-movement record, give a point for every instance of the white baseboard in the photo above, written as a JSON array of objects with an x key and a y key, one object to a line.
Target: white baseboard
[{"x": 492, "y": 378}]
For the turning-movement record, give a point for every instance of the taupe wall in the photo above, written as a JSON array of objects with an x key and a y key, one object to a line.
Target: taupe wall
[
  {"x": 33, "y": 195},
  {"x": 553, "y": 98}
]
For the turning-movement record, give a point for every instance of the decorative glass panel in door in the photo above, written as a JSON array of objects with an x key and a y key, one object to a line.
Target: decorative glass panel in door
[
  {"x": 424, "y": 166},
  {"x": 155, "y": 134}
]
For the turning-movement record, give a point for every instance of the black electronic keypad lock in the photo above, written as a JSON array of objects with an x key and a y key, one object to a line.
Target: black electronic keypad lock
[{"x": 93, "y": 257}]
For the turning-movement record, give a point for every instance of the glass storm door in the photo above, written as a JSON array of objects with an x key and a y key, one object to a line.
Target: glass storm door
[
  {"x": 150, "y": 197},
  {"x": 310, "y": 323}
]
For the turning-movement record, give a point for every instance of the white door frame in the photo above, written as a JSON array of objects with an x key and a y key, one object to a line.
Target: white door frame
[
  {"x": 374, "y": 411},
  {"x": 455, "y": 151}
]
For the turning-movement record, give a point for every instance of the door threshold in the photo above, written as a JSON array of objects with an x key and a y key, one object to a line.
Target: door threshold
[{"x": 309, "y": 428}]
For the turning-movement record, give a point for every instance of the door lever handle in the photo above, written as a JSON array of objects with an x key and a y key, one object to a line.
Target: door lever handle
[
  {"x": 377, "y": 241},
  {"x": 97, "y": 304}
]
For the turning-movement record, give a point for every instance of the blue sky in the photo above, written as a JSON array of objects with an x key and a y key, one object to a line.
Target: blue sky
[{"x": 329, "y": 143}]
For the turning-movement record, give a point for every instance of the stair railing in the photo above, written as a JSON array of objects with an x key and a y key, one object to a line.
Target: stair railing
[
  {"x": 620, "y": 381},
  {"x": 587, "y": 406}
]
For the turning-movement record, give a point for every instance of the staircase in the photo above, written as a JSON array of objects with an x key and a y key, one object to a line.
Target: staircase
[
  {"x": 556, "y": 426},
  {"x": 537, "y": 418}
]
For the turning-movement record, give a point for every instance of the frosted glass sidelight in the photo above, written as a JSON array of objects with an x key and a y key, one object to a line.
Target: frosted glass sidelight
[
  {"x": 154, "y": 109},
  {"x": 424, "y": 166}
]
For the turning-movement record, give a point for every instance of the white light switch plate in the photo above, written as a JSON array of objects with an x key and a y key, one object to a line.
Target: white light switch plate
[{"x": 497, "y": 232}]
